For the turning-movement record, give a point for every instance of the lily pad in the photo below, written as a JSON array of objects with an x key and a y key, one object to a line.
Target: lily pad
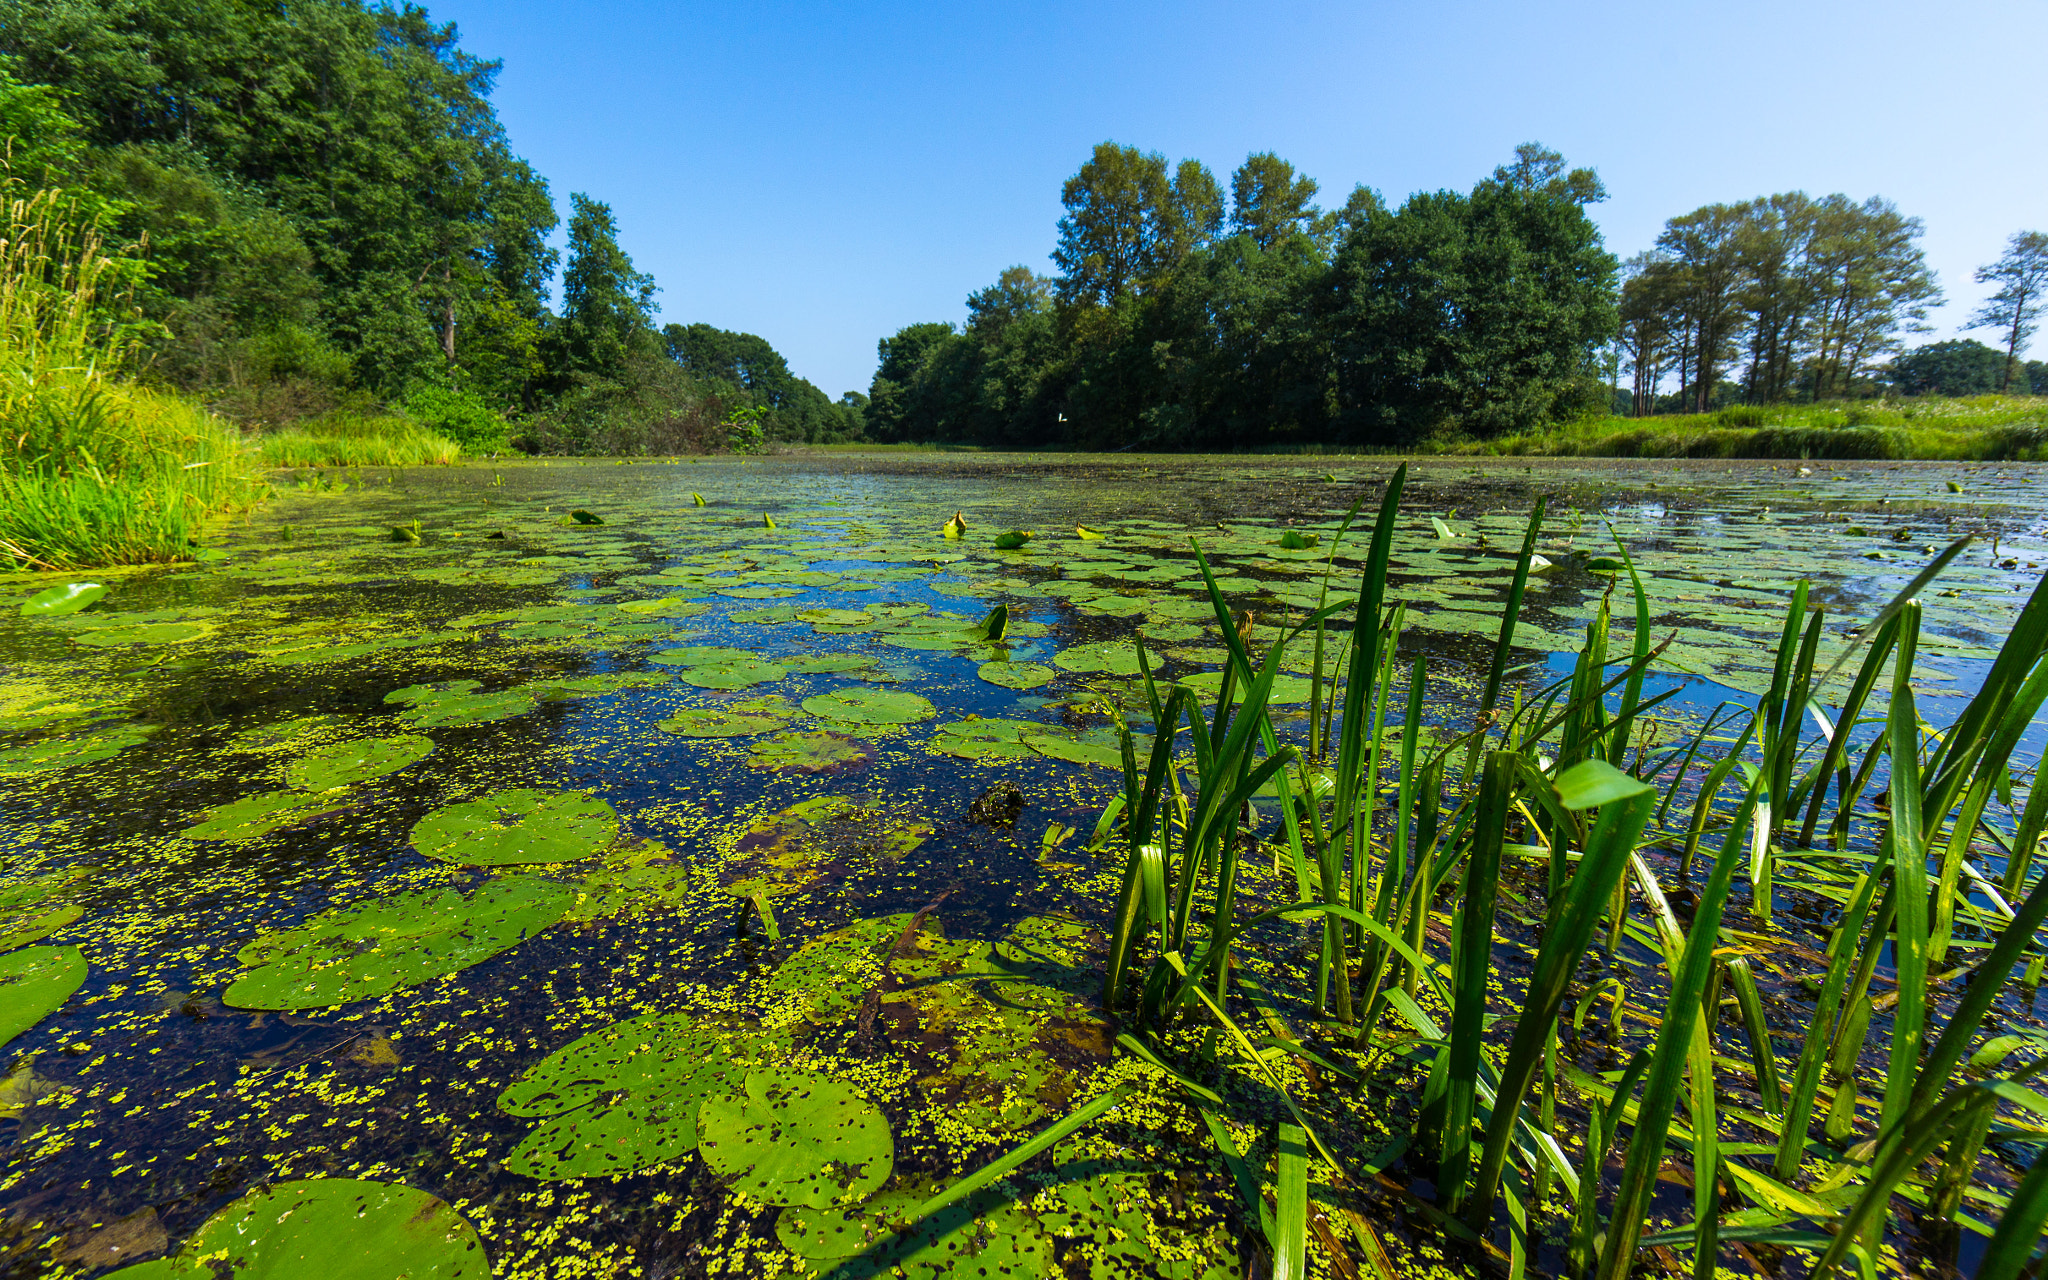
[
  {"x": 53, "y": 754},
  {"x": 786, "y": 850},
  {"x": 630, "y": 882},
  {"x": 732, "y": 675},
  {"x": 870, "y": 706},
  {"x": 828, "y": 663},
  {"x": 34, "y": 982},
  {"x": 344, "y": 764},
  {"x": 142, "y": 633},
  {"x": 1016, "y": 675},
  {"x": 701, "y": 655},
  {"x": 57, "y": 601},
  {"x": 1286, "y": 689},
  {"x": 380, "y": 946},
  {"x": 623, "y": 1098},
  {"x": 988, "y": 739},
  {"x": 720, "y": 722},
  {"x": 796, "y": 1139},
  {"x": 261, "y": 814},
  {"x": 516, "y": 827},
  {"x": 1108, "y": 657},
  {"x": 454, "y": 709},
  {"x": 1099, "y": 749},
  {"x": 335, "y": 1228},
  {"x": 35, "y": 908},
  {"x": 812, "y": 753},
  {"x": 299, "y": 732}
]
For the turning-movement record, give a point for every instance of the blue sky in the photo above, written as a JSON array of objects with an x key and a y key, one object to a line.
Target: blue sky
[{"x": 822, "y": 175}]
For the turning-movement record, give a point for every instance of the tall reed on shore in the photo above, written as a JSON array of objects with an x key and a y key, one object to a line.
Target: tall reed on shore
[{"x": 93, "y": 471}]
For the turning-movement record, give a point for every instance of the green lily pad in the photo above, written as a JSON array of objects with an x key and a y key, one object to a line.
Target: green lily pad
[
  {"x": 624, "y": 1098},
  {"x": 334, "y": 1228},
  {"x": 1016, "y": 675},
  {"x": 261, "y": 814},
  {"x": 836, "y": 617},
  {"x": 1286, "y": 689},
  {"x": 811, "y": 753},
  {"x": 53, "y": 754},
  {"x": 1108, "y": 657},
  {"x": 761, "y": 593},
  {"x": 987, "y": 1234},
  {"x": 630, "y": 882},
  {"x": 870, "y": 706},
  {"x": 34, "y": 982},
  {"x": 1099, "y": 750},
  {"x": 142, "y": 633},
  {"x": 720, "y": 722},
  {"x": 828, "y": 663},
  {"x": 732, "y": 675},
  {"x": 786, "y": 850},
  {"x": 516, "y": 827},
  {"x": 455, "y": 709},
  {"x": 669, "y": 607},
  {"x": 57, "y": 601},
  {"x": 299, "y": 732},
  {"x": 32, "y": 909},
  {"x": 701, "y": 655},
  {"x": 344, "y": 764},
  {"x": 795, "y": 1139},
  {"x": 988, "y": 739},
  {"x": 380, "y": 946}
]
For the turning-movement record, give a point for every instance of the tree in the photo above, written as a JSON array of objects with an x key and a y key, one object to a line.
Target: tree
[
  {"x": 1018, "y": 292},
  {"x": 606, "y": 304},
  {"x": 1481, "y": 312},
  {"x": 2021, "y": 275},
  {"x": 1269, "y": 201},
  {"x": 1192, "y": 214},
  {"x": 1960, "y": 367},
  {"x": 1644, "y": 332},
  {"x": 1871, "y": 286},
  {"x": 1536, "y": 167},
  {"x": 1109, "y": 237},
  {"x": 1704, "y": 250}
]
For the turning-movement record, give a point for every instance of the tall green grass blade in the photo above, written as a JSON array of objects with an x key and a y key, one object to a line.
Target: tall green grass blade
[
  {"x": 1669, "y": 1061},
  {"x": 1566, "y": 934},
  {"x": 1290, "y": 1195},
  {"x": 2014, "y": 1249},
  {"x": 1909, "y": 868},
  {"x": 1472, "y": 965},
  {"x": 1511, "y": 612}
]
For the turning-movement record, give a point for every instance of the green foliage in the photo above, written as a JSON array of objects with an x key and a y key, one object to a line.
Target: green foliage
[
  {"x": 1957, "y": 367},
  {"x": 460, "y": 416}
]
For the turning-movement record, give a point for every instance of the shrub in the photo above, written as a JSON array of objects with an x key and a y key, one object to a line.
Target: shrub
[{"x": 461, "y": 416}]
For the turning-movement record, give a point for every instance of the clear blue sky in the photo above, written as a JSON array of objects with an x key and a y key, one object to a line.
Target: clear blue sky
[{"x": 823, "y": 174}]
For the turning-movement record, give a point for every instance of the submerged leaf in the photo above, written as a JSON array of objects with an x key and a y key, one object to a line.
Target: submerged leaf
[
  {"x": 263, "y": 813},
  {"x": 388, "y": 943},
  {"x": 812, "y": 753}
]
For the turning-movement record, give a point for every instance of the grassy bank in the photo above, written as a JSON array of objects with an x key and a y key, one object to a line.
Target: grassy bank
[
  {"x": 357, "y": 440},
  {"x": 1974, "y": 429},
  {"x": 94, "y": 471}
]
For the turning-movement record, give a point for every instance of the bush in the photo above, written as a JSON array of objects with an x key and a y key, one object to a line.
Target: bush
[{"x": 461, "y": 416}]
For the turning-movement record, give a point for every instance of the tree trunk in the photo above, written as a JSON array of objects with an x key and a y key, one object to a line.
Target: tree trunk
[{"x": 448, "y": 324}]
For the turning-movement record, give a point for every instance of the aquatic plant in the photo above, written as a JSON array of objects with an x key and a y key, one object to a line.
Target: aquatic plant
[{"x": 1552, "y": 785}]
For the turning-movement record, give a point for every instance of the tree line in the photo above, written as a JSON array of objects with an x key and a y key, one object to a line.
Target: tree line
[
  {"x": 326, "y": 215},
  {"x": 1187, "y": 314},
  {"x": 1184, "y": 316}
]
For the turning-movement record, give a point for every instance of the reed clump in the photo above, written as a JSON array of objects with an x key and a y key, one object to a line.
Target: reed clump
[
  {"x": 1772, "y": 1099},
  {"x": 93, "y": 471}
]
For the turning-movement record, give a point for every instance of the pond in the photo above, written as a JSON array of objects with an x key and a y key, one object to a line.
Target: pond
[{"x": 676, "y": 867}]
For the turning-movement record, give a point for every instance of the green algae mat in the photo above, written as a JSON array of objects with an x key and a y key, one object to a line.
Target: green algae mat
[{"x": 600, "y": 882}]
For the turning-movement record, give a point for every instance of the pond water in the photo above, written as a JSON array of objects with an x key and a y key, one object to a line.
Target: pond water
[{"x": 549, "y": 838}]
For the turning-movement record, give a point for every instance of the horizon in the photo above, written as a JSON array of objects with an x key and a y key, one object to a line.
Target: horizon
[{"x": 823, "y": 178}]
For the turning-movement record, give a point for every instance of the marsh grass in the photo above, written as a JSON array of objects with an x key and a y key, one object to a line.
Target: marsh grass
[
  {"x": 357, "y": 440},
  {"x": 1832, "y": 1144},
  {"x": 1972, "y": 429},
  {"x": 93, "y": 471}
]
